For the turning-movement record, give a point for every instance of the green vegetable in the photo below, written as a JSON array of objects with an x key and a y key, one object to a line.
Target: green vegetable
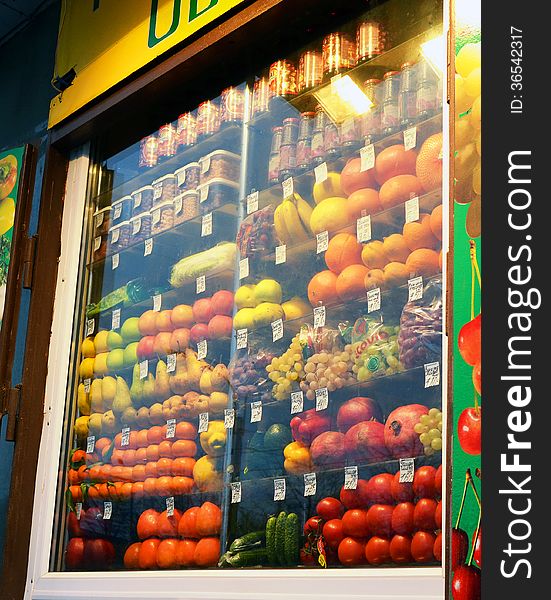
[
  {"x": 246, "y": 558},
  {"x": 270, "y": 540},
  {"x": 280, "y": 537},
  {"x": 248, "y": 541},
  {"x": 220, "y": 258},
  {"x": 292, "y": 539}
]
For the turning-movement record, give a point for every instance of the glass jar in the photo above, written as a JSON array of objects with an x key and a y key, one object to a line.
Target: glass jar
[
  {"x": 370, "y": 40},
  {"x": 310, "y": 70},
  {"x": 208, "y": 119},
  {"x": 390, "y": 116},
  {"x": 428, "y": 86},
  {"x": 119, "y": 236},
  {"x": 318, "y": 133},
  {"x": 273, "y": 161},
  {"x": 371, "y": 120},
  {"x": 186, "y": 206},
  {"x": 283, "y": 79},
  {"x": 220, "y": 163},
  {"x": 262, "y": 95},
  {"x": 149, "y": 148},
  {"x": 408, "y": 95},
  {"x": 304, "y": 142},
  {"x": 232, "y": 106},
  {"x": 141, "y": 227},
  {"x": 186, "y": 131},
  {"x": 99, "y": 247},
  {"x": 142, "y": 200},
  {"x": 164, "y": 189},
  {"x": 187, "y": 178},
  {"x": 167, "y": 142},
  {"x": 216, "y": 193},
  {"x": 162, "y": 217},
  {"x": 339, "y": 54}
]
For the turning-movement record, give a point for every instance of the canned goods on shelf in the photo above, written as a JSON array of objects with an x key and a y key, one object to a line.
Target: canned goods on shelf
[
  {"x": 219, "y": 163},
  {"x": 122, "y": 210},
  {"x": 142, "y": 199},
  {"x": 162, "y": 217},
  {"x": 102, "y": 221},
  {"x": 141, "y": 227},
  {"x": 187, "y": 177},
  {"x": 164, "y": 189},
  {"x": 119, "y": 236},
  {"x": 186, "y": 206}
]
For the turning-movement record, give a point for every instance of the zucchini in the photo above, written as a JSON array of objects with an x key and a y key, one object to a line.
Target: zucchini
[
  {"x": 248, "y": 541},
  {"x": 270, "y": 540},
  {"x": 248, "y": 558},
  {"x": 292, "y": 540},
  {"x": 280, "y": 537}
]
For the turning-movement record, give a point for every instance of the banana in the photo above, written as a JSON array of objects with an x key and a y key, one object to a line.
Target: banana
[
  {"x": 293, "y": 223},
  {"x": 280, "y": 227},
  {"x": 304, "y": 211}
]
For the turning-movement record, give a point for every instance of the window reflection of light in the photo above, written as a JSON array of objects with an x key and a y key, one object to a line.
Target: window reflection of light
[
  {"x": 467, "y": 13},
  {"x": 435, "y": 52},
  {"x": 351, "y": 94}
]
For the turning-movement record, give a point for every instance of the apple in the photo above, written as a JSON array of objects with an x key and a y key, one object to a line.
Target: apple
[
  {"x": 114, "y": 340},
  {"x": 469, "y": 341},
  {"x": 198, "y": 332},
  {"x": 146, "y": 347},
  {"x": 179, "y": 339},
  {"x": 353, "y": 178},
  {"x": 130, "y": 330},
  {"x": 222, "y": 303},
  {"x": 163, "y": 322},
  {"x": 182, "y": 316},
  {"x": 115, "y": 360},
  {"x": 147, "y": 323},
  {"x": 356, "y": 410},
  {"x": 220, "y": 327},
  {"x": 74, "y": 553},
  {"x": 162, "y": 344},
  {"x": 202, "y": 310},
  {"x": 469, "y": 430},
  {"x": 99, "y": 554}
]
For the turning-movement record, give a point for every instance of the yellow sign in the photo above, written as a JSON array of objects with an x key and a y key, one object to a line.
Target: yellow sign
[{"x": 105, "y": 41}]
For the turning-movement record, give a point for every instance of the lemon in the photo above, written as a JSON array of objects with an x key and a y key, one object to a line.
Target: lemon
[
  {"x": 268, "y": 290},
  {"x": 7, "y": 215},
  {"x": 100, "y": 341},
  {"x": 244, "y": 297},
  {"x": 468, "y": 59},
  {"x": 86, "y": 369},
  {"x": 88, "y": 350},
  {"x": 244, "y": 319}
]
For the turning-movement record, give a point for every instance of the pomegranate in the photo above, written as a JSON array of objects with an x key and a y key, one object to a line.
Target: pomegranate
[
  {"x": 355, "y": 411},
  {"x": 400, "y": 438},
  {"x": 327, "y": 450},
  {"x": 365, "y": 442}
]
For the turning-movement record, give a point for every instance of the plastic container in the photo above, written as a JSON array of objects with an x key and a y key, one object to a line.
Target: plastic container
[
  {"x": 119, "y": 236},
  {"x": 121, "y": 210},
  {"x": 102, "y": 221},
  {"x": 219, "y": 164},
  {"x": 141, "y": 227},
  {"x": 99, "y": 247},
  {"x": 162, "y": 217},
  {"x": 217, "y": 192},
  {"x": 186, "y": 206},
  {"x": 142, "y": 200},
  {"x": 164, "y": 189},
  {"x": 187, "y": 177}
]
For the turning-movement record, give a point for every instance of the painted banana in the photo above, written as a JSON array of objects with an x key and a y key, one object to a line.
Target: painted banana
[
  {"x": 280, "y": 227},
  {"x": 293, "y": 223},
  {"x": 304, "y": 212}
]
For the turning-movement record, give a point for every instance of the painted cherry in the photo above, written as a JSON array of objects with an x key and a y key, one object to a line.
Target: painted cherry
[
  {"x": 469, "y": 430},
  {"x": 460, "y": 547},
  {"x": 477, "y": 377},
  {"x": 466, "y": 583},
  {"x": 469, "y": 341},
  {"x": 477, "y": 553}
]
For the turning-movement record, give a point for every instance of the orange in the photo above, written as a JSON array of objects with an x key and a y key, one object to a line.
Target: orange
[
  {"x": 209, "y": 519},
  {"x": 187, "y": 527},
  {"x": 126, "y": 474},
  {"x": 117, "y": 473},
  {"x": 418, "y": 234},
  {"x": 151, "y": 469},
  {"x": 168, "y": 526},
  {"x": 152, "y": 452},
  {"x": 155, "y": 434},
  {"x": 147, "y": 558},
  {"x": 183, "y": 466},
  {"x": 399, "y": 189},
  {"x": 95, "y": 473},
  {"x": 184, "y": 448},
  {"x": 131, "y": 556},
  {"x": 118, "y": 441},
  {"x": 396, "y": 274},
  {"x": 182, "y": 485},
  {"x": 164, "y": 486},
  {"x": 129, "y": 458},
  {"x": 395, "y": 248},
  {"x": 150, "y": 486},
  {"x": 138, "y": 491},
  {"x": 124, "y": 490},
  {"x": 165, "y": 449},
  {"x": 106, "y": 471},
  {"x": 78, "y": 456},
  {"x": 141, "y": 438},
  {"x": 166, "y": 554},
  {"x": 394, "y": 160},
  {"x": 374, "y": 255},
  {"x": 343, "y": 250},
  {"x": 423, "y": 262},
  {"x": 375, "y": 278},
  {"x": 322, "y": 289},
  {"x": 72, "y": 477},
  {"x": 83, "y": 473},
  {"x": 103, "y": 490},
  {"x": 436, "y": 222},
  {"x": 429, "y": 162},
  {"x": 138, "y": 473},
  {"x": 92, "y": 458},
  {"x": 207, "y": 552},
  {"x": 76, "y": 493},
  {"x": 148, "y": 524},
  {"x": 93, "y": 492},
  {"x": 164, "y": 466},
  {"x": 141, "y": 455},
  {"x": 185, "y": 553},
  {"x": 102, "y": 444},
  {"x": 350, "y": 283},
  {"x": 363, "y": 202},
  {"x": 185, "y": 431},
  {"x": 116, "y": 457},
  {"x": 132, "y": 441}
]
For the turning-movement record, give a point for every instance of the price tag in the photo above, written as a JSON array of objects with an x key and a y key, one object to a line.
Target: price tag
[
  {"x": 157, "y": 193},
  {"x": 115, "y": 235},
  {"x": 412, "y": 209},
  {"x": 373, "y": 300},
  {"x": 136, "y": 225},
  {"x": 170, "y": 506},
  {"x": 407, "y": 469},
  {"x": 320, "y": 172},
  {"x": 90, "y": 326},
  {"x": 229, "y": 418},
  {"x": 125, "y": 436},
  {"x": 288, "y": 187},
  {"x": 252, "y": 202},
  {"x": 363, "y": 229},
  {"x": 256, "y": 411},
  {"x": 148, "y": 247},
  {"x": 279, "y": 490},
  {"x": 319, "y": 316},
  {"x": 203, "y": 194},
  {"x": 107, "y": 510},
  {"x": 297, "y": 402},
  {"x": 242, "y": 336},
  {"x": 415, "y": 289},
  {"x": 115, "y": 261},
  {"x": 78, "y": 510},
  {"x": 87, "y": 384},
  {"x": 201, "y": 349},
  {"x": 310, "y": 484},
  {"x": 155, "y": 217},
  {"x": 171, "y": 363},
  {"x": 350, "y": 478},
  {"x": 90, "y": 444},
  {"x": 322, "y": 241},
  {"x": 203, "y": 422},
  {"x": 410, "y": 138},
  {"x": 116, "y": 319},
  {"x": 170, "y": 428},
  {"x": 157, "y": 302},
  {"x": 178, "y": 204},
  {"x": 243, "y": 268},
  {"x": 144, "y": 368},
  {"x": 432, "y": 374},
  {"x": 322, "y": 398},
  {"x": 97, "y": 243},
  {"x": 206, "y": 225},
  {"x": 277, "y": 330},
  {"x": 117, "y": 211},
  {"x": 280, "y": 254},
  {"x": 235, "y": 492},
  {"x": 99, "y": 219},
  {"x": 200, "y": 284},
  {"x": 367, "y": 157}
]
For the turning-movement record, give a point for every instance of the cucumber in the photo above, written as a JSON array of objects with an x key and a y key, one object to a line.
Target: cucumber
[
  {"x": 270, "y": 540},
  {"x": 248, "y": 558},
  {"x": 292, "y": 540},
  {"x": 248, "y": 541},
  {"x": 280, "y": 538}
]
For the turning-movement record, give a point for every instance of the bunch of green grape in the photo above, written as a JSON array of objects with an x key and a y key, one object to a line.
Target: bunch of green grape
[
  {"x": 331, "y": 369},
  {"x": 429, "y": 429},
  {"x": 287, "y": 370},
  {"x": 379, "y": 357}
]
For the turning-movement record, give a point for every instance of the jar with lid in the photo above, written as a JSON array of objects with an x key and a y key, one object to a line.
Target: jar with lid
[
  {"x": 186, "y": 131},
  {"x": 339, "y": 54},
  {"x": 262, "y": 95},
  {"x": 428, "y": 87},
  {"x": 187, "y": 177},
  {"x": 232, "y": 106},
  {"x": 119, "y": 236},
  {"x": 162, "y": 217},
  {"x": 102, "y": 220},
  {"x": 331, "y": 140},
  {"x": 142, "y": 199},
  {"x": 317, "y": 151},
  {"x": 288, "y": 148},
  {"x": 273, "y": 161},
  {"x": 208, "y": 119},
  {"x": 390, "y": 117},
  {"x": 219, "y": 163},
  {"x": 310, "y": 70},
  {"x": 350, "y": 133},
  {"x": 371, "y": 120},
  {"x": 186, "y": 206},
  {"x": 283, "y": 81},
  {"x": 164, "y": 189},
  {"x": 408, "y": 95},
  {"x": 370, "y": 40},
  {"x": 141, "y": 227},
  {"x": 122, "y": 210},
  {"x": 304, "y": 142},
  {"x": 167, "y": 142},
  {"x": 149, "y": 152}
]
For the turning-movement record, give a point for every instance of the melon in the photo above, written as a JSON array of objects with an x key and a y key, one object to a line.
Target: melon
[
  {"x": 399, "y": 189},
  {"x": 429, "y": 163},
  {"x": 329, "y": 215}
]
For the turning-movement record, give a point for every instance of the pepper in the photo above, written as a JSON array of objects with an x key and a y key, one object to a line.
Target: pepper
[
  {"x": 308, "y": 425},
  {"x": 297, "y": 458}
]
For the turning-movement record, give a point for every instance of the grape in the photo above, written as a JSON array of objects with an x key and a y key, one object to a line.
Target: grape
[
  {"x": 419, "y": 428},
  {"x": 434, "y": 412},
  {"x": 436, "y": 444},
  {"x": 425, "y": 419},
  {"x": 425, "y": 439},
  {"x": 435, "y": 433}
]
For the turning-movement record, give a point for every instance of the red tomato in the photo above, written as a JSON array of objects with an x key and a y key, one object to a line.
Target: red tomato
[
  {"x": 379, "y": 489},
  {"x": 98, "y": 554},
  {"x": 402, "y": 518},
  {"x": 437, "y": 548},
  {"x": 424, "y": 513},
  {"x": 74, "y": 553},
  {"x": 377, "y": 550},
  {"x": 313, "y": 525},
  {"x": 330, "y": 508},
  {"x": 401, "y": 492},
  {"x": 438, "y": 515},
  {"x": 400, "y": 549},
  {"x": 352, "y": 551},
  {"x": 422, "y": 544},
  {"x": 423, "y": 482},
  {"x": 355, "y": 498},
  {"x": 333, "y": 533},
  {"x": 438, "y": 481},
  {"x": 354, "y": 523},
  {"x": 307, "y": 559},
  {"x": 379, "y": 519}
]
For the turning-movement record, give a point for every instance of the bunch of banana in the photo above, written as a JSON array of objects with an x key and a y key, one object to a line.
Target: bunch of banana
[{"x": 292, "y": 220}]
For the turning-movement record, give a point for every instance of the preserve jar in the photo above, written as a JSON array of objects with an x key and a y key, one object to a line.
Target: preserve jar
[
  {"x": 187, "y": 177},
  {"x": 164, "y": 189},
  {"x": 142, "y": 200},
  {"x": 219, "y": 164},
  {"x": 141, "y": 227},
  {"x": 122, "y": 210},
  {"x": 216, "y": 193},
  {"x": 162, "y": 217},
  {"x": 119, "y": 236},
  {"x": 186, "y": 206}
]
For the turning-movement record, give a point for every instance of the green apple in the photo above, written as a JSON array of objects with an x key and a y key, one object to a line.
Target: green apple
[
  {"x": 268, "y": 290},
  {"x": 130, "y": 354},
  {"x": 114, "y": 340},
  {"x": 130, "y": 331},
  {"x": 115, "y": 360}
]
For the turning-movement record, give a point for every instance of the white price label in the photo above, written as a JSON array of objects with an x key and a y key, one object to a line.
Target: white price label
[
  {"x": 144, "y": 368},
  {"x": 243, "y": 268},
  {"x": 407, "y": 470},
  {"x": 90, "y": 326},
  {"x": 170, "y": 506},
  {"x": 115, "y": 235},
  {"x": 252, "y": 202},
  {"x": 322, "y": 241},
  {"x": 415, "y": 289},
  {"x": 178, "y": 205},
  {"x": 288, "y": 187},
  {"x": 99, "y": 219},
  {"x": 279, "y": 490},
  {"x": 157, "y": 302},
  {"x": 229, "y": 418},
  {"x": 136, "y": 225},
  {"x": 277, "y": 330},
  {"x": 350, "y": 478},
  {"x": 202, "y": 349},
  {"x": 256, "y": 411},
  {"x": 78, "y": 510},
  {"x": 116, "y": 319},
  {"x": 200, "y": 284},
  {"x": 90, "y": 444},
  {"x": 155, "y": 217},
  {"x": 363, "y": 229},
  {"x": 322, "y": 398},
  {"x": 170, "y": 363},
  {"x": 235, "y": 492},
  {"x": 117, "y": 211},
  {"x": 148, "y": 247},
  {"x": 373, "y": 300},
  {"x": 87, "y": 385},
  {"x": 319, "y": 316},
  {"x": 203, "y": 194},
  {"x": 280, "y": 254},
  {"x": 432, "y": 374},
  {"x": 297, "y": 402},
  {"x": 203, "y": 422},
  {"x": 320, "y": 172},
  {"x": 412, "y": 210},
  {"x": 157, "y": 193},
  {"x": 107, "y": 510},
  {"x": 410, "y": 138},
  {"x": 242, "y": 337},
  {"x": 170, "y": 428},
  {"x": 97, "y": 243},
  {"x": 115, "y": 260},
  {"x": 125, "y": 436},
  {"x": 367, "y": 157},
  {"x": 310, "y": 484},
  {"x": 206, "y": 225}
]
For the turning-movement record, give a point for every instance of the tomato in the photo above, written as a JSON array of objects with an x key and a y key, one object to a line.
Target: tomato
[
  {"x": 423, "y": 482},
  {"x": 330, "y": 508},
  {"x": 73, "y": 525},
  {"x": 187, "y": 528},
  {"x": 379, "y": 519},
  {"x": 437, "y": 548},
  {"x": 131, "y": 556},
  {"x": 354, "y": 523},
  {"x": 438, "y": 515},
  {"x": 148, "y": 524},
  {"x": 400, "y": 549},
  {"x": 167, "y": 526},
  {"x": 402, "y": 518},
  {"x": 438, "y": 481},
  {"x": 401, "y": 492},
  {"x": 307, "y": 558},
  {"x": 147, "y": 557},
  {"x": 74, "y": 553},
  {"x": 313, "y": 525},
  {"x": 379, "y": 489},
  {"x": 333, "y": 533},
  {"x": 424, "y": 513},
  {"x": 377, "y": 550},
  {"x": 209, "y": 519},
  {"x": 422, "y": 544},
  {"x": 352, "y": 551},
  {"x": 355, "y": 498},
  {"x": 99, "y": 554}
]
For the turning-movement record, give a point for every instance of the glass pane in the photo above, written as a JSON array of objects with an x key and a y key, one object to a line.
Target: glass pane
[{"x": 258, "y": 380}]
